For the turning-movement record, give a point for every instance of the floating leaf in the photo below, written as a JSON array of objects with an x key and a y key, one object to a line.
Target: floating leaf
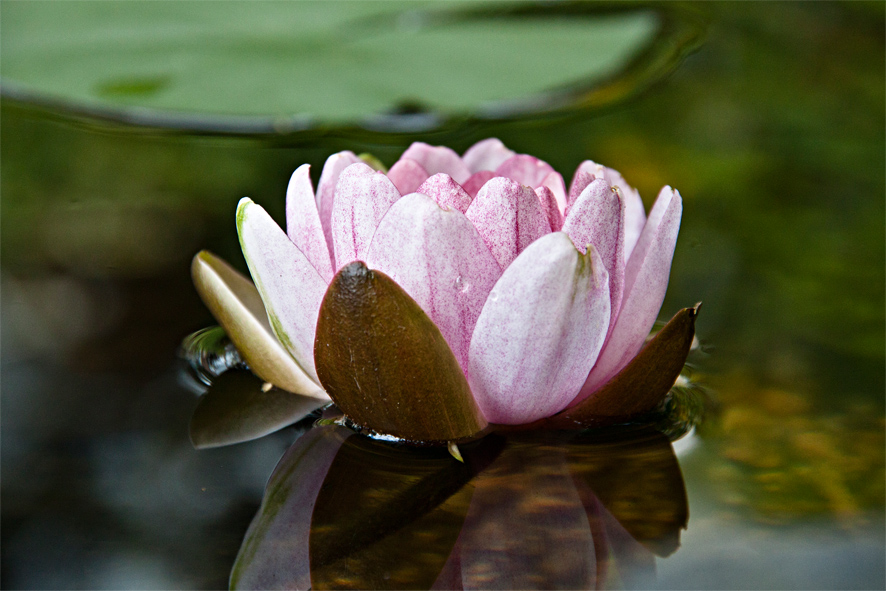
[
  {"x": 237, "y": 407},
  {"x": 235, "y": 303},
  {"x": 642, "y": 384},
  {"x": 386, "y": 365}
]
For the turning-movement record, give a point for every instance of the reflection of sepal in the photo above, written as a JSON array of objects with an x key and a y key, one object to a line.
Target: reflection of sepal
[{"x": 237, "y": 408}]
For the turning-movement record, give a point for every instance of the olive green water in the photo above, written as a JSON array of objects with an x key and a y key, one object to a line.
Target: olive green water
[{"x": 773, "y": 131}]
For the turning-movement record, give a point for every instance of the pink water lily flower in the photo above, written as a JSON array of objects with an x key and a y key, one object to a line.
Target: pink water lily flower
[{"x": 541, "y": 295}]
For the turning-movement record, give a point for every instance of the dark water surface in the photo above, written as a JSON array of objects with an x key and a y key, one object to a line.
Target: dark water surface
[{"x": 773, "y": 131}]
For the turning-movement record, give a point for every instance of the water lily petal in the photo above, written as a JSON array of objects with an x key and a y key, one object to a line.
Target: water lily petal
[
  {"x": 635, "y": 213},
  {"x": 438, "y": 257},
  {"x": 646, "y": 280},
  {"x": 554, "y": 182},
  {"x": 509, "y": 217},
  {"x": 597, "y": 218},
  {"x": 436, "y": 159},
  {"x": 525, "y": 169},
  {"x": 551, "y": 207},
  {"x": 237, "y": 306},
  {"x": 539, "y": 332},
  {"x": 407, "y": 175},
  {"x": 303, "y": 222},
  {"x": 386, "y": 365},
  {"x": 332, "y": 168},
  {"x": 476, "y": 181},
  {"x": 487, "y": 154},
  {"x": 445, "y": 191},
  {"x": 290, "y": 287},
  {"x": 642, "y": 383},
  {"x": 362, "y": 198}
]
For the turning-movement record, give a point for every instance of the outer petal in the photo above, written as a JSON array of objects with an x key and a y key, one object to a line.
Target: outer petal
[
  {"x": 326, "y": 190},
  {"x": 539, "y": 332},
  {"x": 551, "y": 207},
  {"x": 554, "y": 182},
  {"x": 303, "y": 222},
  {"x": 476, "y": 181},
  {"x": 635, "y": 213},
  {"x": 525, "y": 169},
  {"x": 237, "y": 305},
  {"x": 439, "y": 259},
  {"x": 361, "y": 199},
  {"x": 407, "y": 175},
  {"x": 487, "y": 154},
  {"x": 446, "y": 192},
  {"x": 509, "y": 217},
  {"x": 646, "y": 281},
  {"x": 289, "y": 285},
  {"x": 436, "y": 159},
  {"x": 597, "y": 218}
]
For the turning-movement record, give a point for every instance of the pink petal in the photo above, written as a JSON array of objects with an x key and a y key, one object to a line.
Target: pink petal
[
  {"x": 436, "y": 159},
  {"x": 551, "y": 208},
  {"x": 525, "y": 169},
  {"x": 439, "y": 259},
  {"x": 476, "y": 181},
  {"x": 407, "y": 175},
  {"x": 290, "y": 287},
  {"x": 362, "y": 198},
  {"x": 303, "y": 222},
  {"x": 326, "y": 190},
  {"x": 646, "y": 281},
  {"x": 554, "y": 181},
  {"x": 446, "y": 192},
  {"x": 509, "y": 217},
  {"x": 597, "y": 218},
  {"x": 487, "y": 154},
  {"x": 539, "y": 332},
  {"x": 635, "y": 213}
]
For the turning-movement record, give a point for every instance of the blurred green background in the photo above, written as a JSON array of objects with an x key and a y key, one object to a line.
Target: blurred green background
[{"x": 772, "y": 130}]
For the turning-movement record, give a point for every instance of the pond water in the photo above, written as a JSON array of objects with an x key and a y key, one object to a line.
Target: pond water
[{"x": 772, "y": 130}]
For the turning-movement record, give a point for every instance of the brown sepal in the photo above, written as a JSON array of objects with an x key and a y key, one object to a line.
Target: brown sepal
[
  {"x": 385, "y": 363},
  {"x": 642, "y": 384}
]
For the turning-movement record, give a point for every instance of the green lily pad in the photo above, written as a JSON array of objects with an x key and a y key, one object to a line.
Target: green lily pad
[
  {"x": 236, "y": 408},
  {"x": 385, "y": 363},
  {"x": 330, "y": 61}
]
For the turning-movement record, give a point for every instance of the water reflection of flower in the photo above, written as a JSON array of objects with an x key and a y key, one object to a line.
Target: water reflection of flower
[{"x": 523, "y": 511}]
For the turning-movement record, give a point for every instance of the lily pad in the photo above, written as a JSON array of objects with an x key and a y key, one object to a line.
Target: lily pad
[
  {"x": 238, "y": 408},
  {"x": 385, "y": 363}
]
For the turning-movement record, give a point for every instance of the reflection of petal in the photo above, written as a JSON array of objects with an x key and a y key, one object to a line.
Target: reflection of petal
[
  {"x": 274, "y": 554},
  {"x": 638, "y": 480},
  {"x": 387, "y": 517},
  {"x": 527, "y": 528}
]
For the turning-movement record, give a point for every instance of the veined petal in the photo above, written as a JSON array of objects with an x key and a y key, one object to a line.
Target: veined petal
[
  {"x": 597, "y": 218},
  {"x": 635, "y": 213},
  {"x": 476, "y": 181},
  {"x": 509, "y": 217},
  {"x": 554, "y": 182},
  {"x": 446, "y": 192},
  {"x": 362, "y": 198},
  {"x": 551, "y": 207},
  {"x": 238, "y": 307},
  {"x": 439, "y": 259},
  {"x": 326, "y": 190},
  {"x": 487, "y": 154},
  {"x": 436, "y": 159},
  {"x": 646, "y": 281},
  {"x": 407, "y": 175},
  {"x": 290, "y": 287},
  {"x": 525, "y": 169},
  {"x": 539, "y": 332},
  {"x": 303, "y": 222}
]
